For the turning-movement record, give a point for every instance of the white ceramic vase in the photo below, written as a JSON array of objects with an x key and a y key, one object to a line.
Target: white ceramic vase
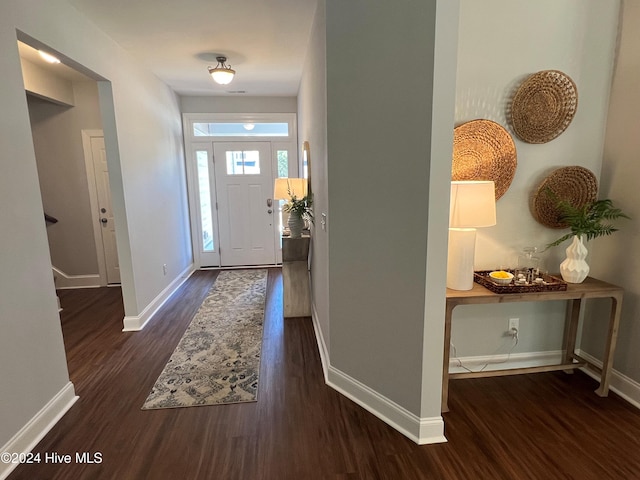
[
  {"x": 296, "y": 225},
  {"x": 574, "y": 269}
]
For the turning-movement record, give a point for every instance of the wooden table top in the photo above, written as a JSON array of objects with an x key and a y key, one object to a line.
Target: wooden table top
[{"x": 590, "y": 288}]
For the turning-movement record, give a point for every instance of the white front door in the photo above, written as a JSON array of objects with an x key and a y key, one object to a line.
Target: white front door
[
  {"x": 107, "y": 225},
  {"x": 244, "y": 190}
]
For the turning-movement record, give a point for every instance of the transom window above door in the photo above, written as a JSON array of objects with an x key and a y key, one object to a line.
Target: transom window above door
[{"x": 236, "y": 129}]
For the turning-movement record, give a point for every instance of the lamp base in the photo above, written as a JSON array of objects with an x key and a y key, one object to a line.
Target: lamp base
[{"x": 462, "y": 247}]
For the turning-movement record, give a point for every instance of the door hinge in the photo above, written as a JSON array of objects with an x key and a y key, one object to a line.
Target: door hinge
[{"x": 216, "y": 205}]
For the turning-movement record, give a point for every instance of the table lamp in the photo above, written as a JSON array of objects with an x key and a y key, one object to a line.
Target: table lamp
[
  {"x": 473, "y": 205},
  {"x": 284, "y": 188}
]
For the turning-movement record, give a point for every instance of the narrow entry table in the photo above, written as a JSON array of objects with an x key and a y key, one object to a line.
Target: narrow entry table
[{"x": 576, "y": 292}]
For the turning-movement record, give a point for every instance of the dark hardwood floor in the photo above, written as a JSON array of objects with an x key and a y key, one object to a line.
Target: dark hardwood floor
[{"x": 542, "y": 426}]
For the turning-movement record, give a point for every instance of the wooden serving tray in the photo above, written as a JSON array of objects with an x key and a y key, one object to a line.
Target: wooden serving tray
[{"x": 551, "y": 284}]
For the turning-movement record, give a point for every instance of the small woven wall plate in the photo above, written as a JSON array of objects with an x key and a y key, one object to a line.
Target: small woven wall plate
[
  {"x": 576, "y": 185},
  {"x": 484, "y": 150},
  {"x": 543, "y": 106}
]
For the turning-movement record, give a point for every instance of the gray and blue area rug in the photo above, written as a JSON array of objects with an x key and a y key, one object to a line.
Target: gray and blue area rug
[{"x": 217, "y": 361}]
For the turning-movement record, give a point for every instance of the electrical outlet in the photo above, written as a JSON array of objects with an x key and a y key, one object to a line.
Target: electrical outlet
[
  {"x": 164, "y": 268},
  {"x": 514, "y": 323}
]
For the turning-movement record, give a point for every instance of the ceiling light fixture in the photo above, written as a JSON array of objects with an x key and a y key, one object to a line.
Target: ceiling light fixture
[
  {"x": 222, "y": 73},
  {"x": 47, "y": 57}
]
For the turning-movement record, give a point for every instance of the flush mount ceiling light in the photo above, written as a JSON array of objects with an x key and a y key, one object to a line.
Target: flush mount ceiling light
[
  {"x": 47, "y": 57},
  {"x": 222, "y": 73}
]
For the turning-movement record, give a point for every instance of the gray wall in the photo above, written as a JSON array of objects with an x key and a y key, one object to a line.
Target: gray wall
[
  {"x": 239, "y": 104},
  {"x": 500, "y": 44},
  {"x": 63, "y": 178},
  {"x": 312, "y": 127},
  {"x": 615, "y": 258},
  {"x": 378, "y": 131}
]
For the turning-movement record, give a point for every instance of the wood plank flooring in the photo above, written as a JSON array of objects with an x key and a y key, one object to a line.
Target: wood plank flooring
[{"x": 542, "y": 426}]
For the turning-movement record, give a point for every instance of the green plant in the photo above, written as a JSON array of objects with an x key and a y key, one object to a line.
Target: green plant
[
  {"x": 588, "y": 220},
  {"x": 300, "y": 207}
]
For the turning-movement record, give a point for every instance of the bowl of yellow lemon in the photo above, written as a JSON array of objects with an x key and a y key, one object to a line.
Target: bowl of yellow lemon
[{"x": 501, "y": 277}]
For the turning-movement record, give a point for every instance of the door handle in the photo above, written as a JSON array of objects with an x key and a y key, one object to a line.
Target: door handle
[
  {"x": 269, "y": 203},
  {"x": 103, "y": 220}
]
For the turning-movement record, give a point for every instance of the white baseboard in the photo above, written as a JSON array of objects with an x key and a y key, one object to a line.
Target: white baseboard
[
  {"x": 28, "y": 437},
  {"x": 135, "y": 323},
  {"x": 624, "y": 386},
  {"x": 65, "y": 281},
  {"x": 322, "y": 346},
  {"x": 497, "y": 362},
  {"x": 420, "y": 430}
]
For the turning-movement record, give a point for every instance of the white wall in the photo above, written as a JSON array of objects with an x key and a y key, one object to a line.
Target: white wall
[
  {"x": 502, "y": 42},
  {"x": 143, "y": 132},
  {"x": 312, "y": 127},
  {"x": 614, "y": 258}
]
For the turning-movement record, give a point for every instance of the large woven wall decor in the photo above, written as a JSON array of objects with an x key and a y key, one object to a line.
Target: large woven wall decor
[
  {"x": 576, "y": 185},
  {"x": 484, "y": 150},
  {"x": 543, "y": 106}
]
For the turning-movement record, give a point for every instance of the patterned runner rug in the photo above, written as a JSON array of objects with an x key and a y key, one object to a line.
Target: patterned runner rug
[{"x": 218, "y": 358}]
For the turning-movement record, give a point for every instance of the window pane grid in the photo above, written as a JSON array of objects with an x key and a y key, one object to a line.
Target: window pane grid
[{"x": 245, "y": 162}]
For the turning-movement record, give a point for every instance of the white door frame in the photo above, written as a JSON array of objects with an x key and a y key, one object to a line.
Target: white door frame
[
  {"x": 87, "y": 135},
  {"x": 191, "y": 141}
]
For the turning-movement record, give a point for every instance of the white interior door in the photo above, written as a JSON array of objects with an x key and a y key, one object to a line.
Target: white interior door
[
  {"x": 244, "y": 189},
  {"x": 107, "y": 225}
]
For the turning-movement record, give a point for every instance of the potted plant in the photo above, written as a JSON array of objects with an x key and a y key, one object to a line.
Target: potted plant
[
  {"x": 587, "y": 221},
  {"x": 299, "y": 210}
]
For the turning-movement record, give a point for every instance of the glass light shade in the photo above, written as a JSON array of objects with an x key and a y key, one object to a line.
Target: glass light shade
[
  {"x": 285, "y": 187},
  {"x": 222, "y": 76},
  {"x": 473, "y": 204}
]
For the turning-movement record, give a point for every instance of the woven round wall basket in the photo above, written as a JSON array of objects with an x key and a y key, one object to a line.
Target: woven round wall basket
[
  {"x": 484, "y": 150},
  {"x": 544, "y": 106},
  {"x": 576, "y": 185}
]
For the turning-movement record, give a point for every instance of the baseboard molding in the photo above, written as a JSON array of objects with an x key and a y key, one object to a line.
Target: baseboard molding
[
  {"x": 322, "y": 345},
  {"x": 135, "y": 323},
  {"x": 498, "y": 362},
  {"x": 65, "y": 281},
  {"x": 420, "y": 430},
  {"x": 28, "y": 437},
  {"x": 624, "y": 386}
]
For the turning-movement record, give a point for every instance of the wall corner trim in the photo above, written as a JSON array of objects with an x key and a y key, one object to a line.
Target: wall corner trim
[
  {"x": 36, "y": 428},
  {"x": 420, "y": 430},
  {"x": 135, "y": 323}
]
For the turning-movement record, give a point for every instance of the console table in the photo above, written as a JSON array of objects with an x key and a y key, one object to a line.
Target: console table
[
  {"x": 576, "y": 293},
  {"x": 295, "y": 276}
]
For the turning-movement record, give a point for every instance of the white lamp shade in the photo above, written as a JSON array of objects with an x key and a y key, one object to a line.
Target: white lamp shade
[
  {"x": 222, "y": 76},
  {"x": 473, "y": 204},
  {"x": 284, "y": 188}
]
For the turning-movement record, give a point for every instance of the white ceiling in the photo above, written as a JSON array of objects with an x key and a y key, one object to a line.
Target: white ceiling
[{"x": 264, "y": 40}]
